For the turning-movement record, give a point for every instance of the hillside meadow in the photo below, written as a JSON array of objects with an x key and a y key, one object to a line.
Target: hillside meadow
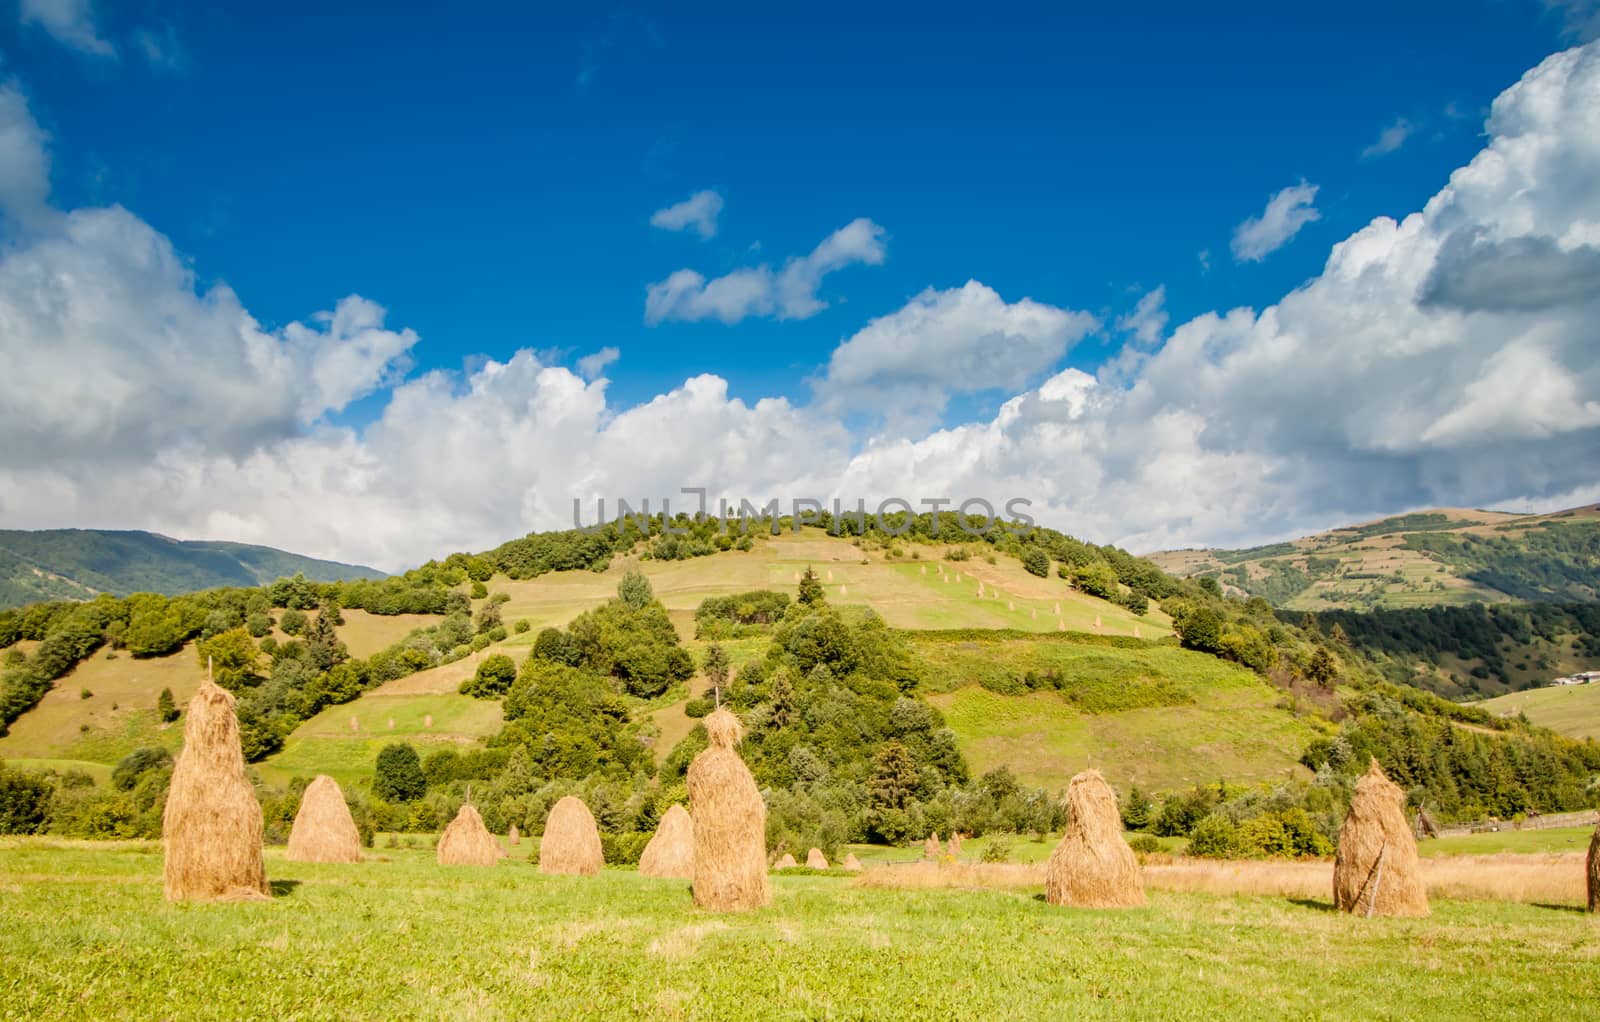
[
  {"x": 1571, "y": 710},
  {"x": 85, "y": 934}
]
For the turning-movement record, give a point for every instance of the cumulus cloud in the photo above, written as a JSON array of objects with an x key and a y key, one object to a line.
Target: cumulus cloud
[
  {"x": 70, "y": 22},
  {"x": 962, "y": 340},
  {"x": 1287, "y": 211},
  {"x": 699, "y": 212},
  {"x": 788, "y": 293},
  {"x": 1400, "y": 377},
  {"x": 1390, "y": 139}
]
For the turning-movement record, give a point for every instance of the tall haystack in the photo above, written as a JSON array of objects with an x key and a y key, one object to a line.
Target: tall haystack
[
  {"x": 1093, "y": 867},
  {"x": 931, "y": 848},
  {"x": 571, "y": 842},
  {"x": 952, "y": 847},
  {"x": 1375, "y": 871},
  {"x": 467, "y": 842},
  {"x": 786, "y": 861},
  {"x": 514, "y": 836},
  {"x": 670, "y": 852},
  {"x": 1594, "y": 870},
  {"x": 730, "y": 822},
  {"x": 324, "y": 830},
  {"x": 212, "y": 824},
  {"x": 851, "y": 863},
  {"x": 816, "y": 860}
]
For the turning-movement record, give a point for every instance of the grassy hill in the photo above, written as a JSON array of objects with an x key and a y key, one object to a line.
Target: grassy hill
[
  {"x": 1571, "y": 710},
  {"x": 75, "y": 564},
  {"x": 1136, "y": 704},
  {"x": 1428, "y": 558}
]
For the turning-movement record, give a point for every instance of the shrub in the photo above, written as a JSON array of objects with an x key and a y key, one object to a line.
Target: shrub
[
  {"x": 493, "y": 678},
  {"x": 624, "y": 849},
  {"x": 1036, "y": 561},
  {"x": 293, "y": 622},
  {"x": 997, "y": 850},
  {"x": 1214, "y": 837},
  {"x": 697, "y": 708},
  {"x": 1146, "y": 844},
  {"x": 522, "y": 625}
]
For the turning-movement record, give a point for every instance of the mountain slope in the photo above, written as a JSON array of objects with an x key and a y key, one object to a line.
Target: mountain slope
[
  {"x": 76, "y": 564},
  {"x": 1428, "y": 558}
]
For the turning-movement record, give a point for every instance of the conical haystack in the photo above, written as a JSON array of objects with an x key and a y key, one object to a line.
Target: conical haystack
[
  {"x": 1093, "y": 867},
  {"x": 514, "y": 836},
  {"x": 1594, "y": 870},
  {"x": 931, "y": 848},
  {"x": 467, "y": 842},
  {"x": 816, "y": 860},
  {"x": 852, "y": 863},
  {"x": 323, "y": 829},
  {"x": 730, "y": 822},
  {"x": 670, "y": 852},
  {"x": 952, "y": 848},
  {"x": 212, "y": 823},
  {"x": 785, "y": 862},
  {"x": 571, "y": 842},
  {"x": 1375, "y": 871}
]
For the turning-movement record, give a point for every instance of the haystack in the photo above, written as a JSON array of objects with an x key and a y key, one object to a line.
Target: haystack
[
  {"x": 513, "y": 835},
  {"x": 1594, "y": 870},
  {"x": 323, "y": 829},
  {"x": 467, "y": 842},
  {"x": 571, "y": 842},
  {"x": 1093, "y": 867},
  {"x": 670, "y": 852},
  {"x": 931, "y": 848},
  {"x": 1375, "y": 871},
  {"x": 787, "y": 862},
  {"x": 852, "y": 863},
  {"x": 212, "y": 822},
  {"x": 952, "y": 848},
  {"x": 730, "y": 822},
  {"x": 816, "y": 860}
]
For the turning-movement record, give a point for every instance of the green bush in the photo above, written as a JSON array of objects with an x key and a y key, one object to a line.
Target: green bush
[
  {"x": 1214, "y": 837},
  {"x": 398, "y": 776},
  {"x": 1146, "y": 844},
  {"x": 624, "y": 849}
]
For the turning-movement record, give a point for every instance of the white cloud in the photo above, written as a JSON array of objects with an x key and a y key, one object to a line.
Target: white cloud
[
  {"x": 1148, "y": 320},
  {"x": 24, "y": 162},
  {"x": 963, "y": 340},
  {"x": 1580, "y": 19},
  {"x": 789, "y": 293},
  {"x": 1390, "y": 139},
  {"x": 699, "y": 211},
  {"x": 160, "y": 48},
  {"x": 1287, "y": 211},
  {"x": 71, "y": 22},
  {"x": 1400, "y": 377},
  {"x": 591, "y": 366}
]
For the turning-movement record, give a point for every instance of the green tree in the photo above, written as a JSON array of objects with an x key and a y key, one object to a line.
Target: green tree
[
  {"x": 293, "y": 621},
  {"x": 1323, "y": 668},
  {"x": 24, "y": 801},
  {"x": 635, "y": 591},
  {"x": 492, "y": 679},
  {"x": 782, "y": 701},
  {"x": 232, "y": 656},
  {"x": 166, "y": 709},
  {"x": 258, "y": 623},
  {"x": 1137, "y": 810},
  {"x": 894, "y": 780},
  {"x": 716, "y": 668},
  {"x": 1036, "y": 561},
  {"x": 811, "y": 589},
  {"x": 398, "y": 776}
]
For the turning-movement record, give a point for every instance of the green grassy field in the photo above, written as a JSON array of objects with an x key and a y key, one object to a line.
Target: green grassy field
[
  {"x": 1521, "y": 842},
  {"x": 327, "y": 744},
  {"x": 85, "y": 934},
  {"x": 1572, "y": 710},
  {"x": 1212, "y": 719}
]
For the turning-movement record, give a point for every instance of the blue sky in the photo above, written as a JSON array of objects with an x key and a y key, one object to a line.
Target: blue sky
[
  {"x": 185, "y": 188},
  {"x": 489, "y": 175}
]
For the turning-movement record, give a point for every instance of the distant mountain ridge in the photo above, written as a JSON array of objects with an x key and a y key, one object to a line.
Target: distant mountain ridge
[
  {"x": 1448, "y": 556},
  {"x": 76, "y": 564}
]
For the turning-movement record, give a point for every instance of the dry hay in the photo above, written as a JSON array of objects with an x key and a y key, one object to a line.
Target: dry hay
[
  {"x": 973, "y": 876},
  {"x": 787, "y": 862},
  {"x": 931, "y": 848},
  {"x": 730, "y": 822},
  {"x": 952, "y": 848},
  {"x": 211, "y": 826},
  {"x": 467, "y": 842},
  {"x": 1594, "y": 870},
  {"x": 514, "y": 836},
  {"x": 816, "y": 860},
  {"x": 1375, "y": 871},
  {"x": 1093, "y": 867},
  {"x": 670, "y": 852},
  {"x": 851, "y": 863},
  {"x": 323, "y": 829},
  {"x": 571, "y": 842}
]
